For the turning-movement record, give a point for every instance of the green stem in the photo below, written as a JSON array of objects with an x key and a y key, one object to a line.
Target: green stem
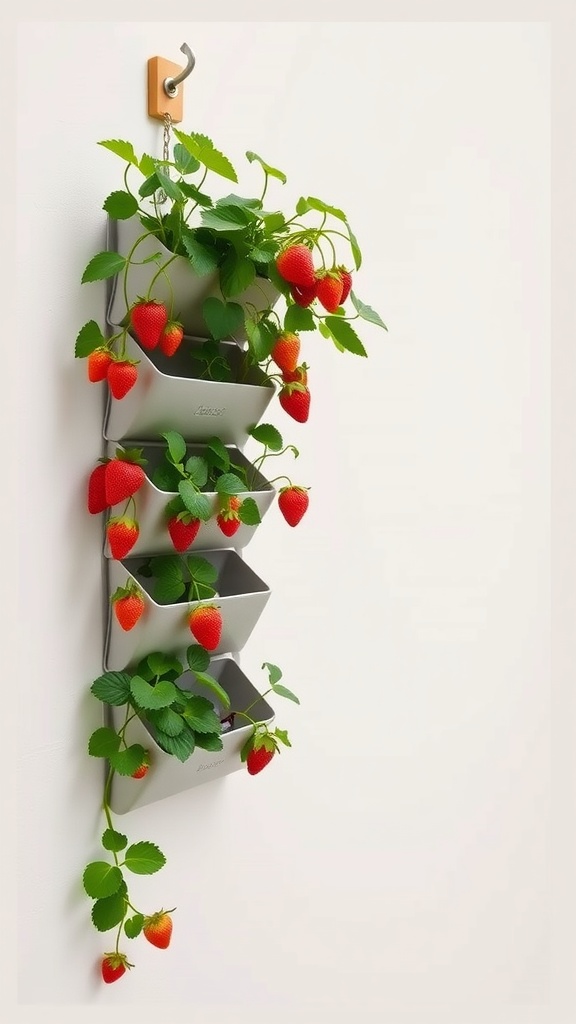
[
  {"x": 266, "y": 176},
  {"x": 290, "y": 484}
]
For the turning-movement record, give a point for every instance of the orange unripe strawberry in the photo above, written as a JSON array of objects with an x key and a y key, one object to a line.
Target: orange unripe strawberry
[
  {"x": 329, "y": 291},
  {"x": 296, "y": 266},
  {"x": 286, "y": 351},
  {"x": 158, "y": 929}
]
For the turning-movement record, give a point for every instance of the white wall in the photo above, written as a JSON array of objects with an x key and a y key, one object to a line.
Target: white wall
[{"x": 397, "y": 859}]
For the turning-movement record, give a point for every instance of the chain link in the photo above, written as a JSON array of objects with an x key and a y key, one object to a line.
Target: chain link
[{"x": 162, "y": 197}]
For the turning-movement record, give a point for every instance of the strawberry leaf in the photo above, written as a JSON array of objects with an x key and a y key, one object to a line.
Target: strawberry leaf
[
  {"x": 200, "y": 715},
  {"x": 298, "y": 318},
  {"x": 120, "y": 205},
  {"x": 201, "y": 570},
  {"x": 133, "y": 926},
  {"x": 283, "y": 691},
  {"x": 249, "y": 513},
  {"x": 89, "y": 338},
  {"x": 125, "y": 762},
  {"x": 196, "y": 504},
  {"x": 203, "y": 149},
  {"x": 198, "y": 658},
  {"x": 282, "y": 735},
  {"x": 214, "y": 686},
  {"x": 103, "y": 742},
  {"x": 366, "y": 312},
  {"x": 152, "y": 697},
  {"x": 222, "y": 318},
  {"x": 273, "y": 172},
  {"x": 180, "y": 746},
  {"x": 161, "y": 663},
  {"x": 184, "y": 161},
  {"x": 108, "y": 913},
  {"x": 220, "y": 453},
  {"x": 112, "y": 688},
  {"x": 197, "y": 470},
  {"x": 268, "y": 435},
  {"x": 236, "y": 274},
  {"x": 144, "y": 858},
  {"x": 345, "y": 335},
  {"x": 103, "y": 265},
  {"x": 230, "y": 484},
  {"x": 248, "y": 746},
  {"x": 274, "y": 673},
  {"x": 167, "y": 721},
  {"x": 209, "y": 741},
  {"x": 203, "y": 258},
  {"x": 101, "y": 879},
  {"x": 125, "y": 150},
  {"x": 176, "y": 446},
  {"x": 113, "y": 841}
]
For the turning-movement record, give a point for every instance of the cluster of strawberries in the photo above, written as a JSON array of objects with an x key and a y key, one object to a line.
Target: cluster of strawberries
[
  {"x": 331, "y": 287},
  {"x": 157, "y": 928},
  {"x": 150, "y": 323}
]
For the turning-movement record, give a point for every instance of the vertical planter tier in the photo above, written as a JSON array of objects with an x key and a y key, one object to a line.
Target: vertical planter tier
[
  {"x": 240, "y": 594},
  {"x": 169, "y": 394},
  {"x": 150, "y": 505},
  {"x": 167, "y": 775},
  {"x": 188, "y": 288}
]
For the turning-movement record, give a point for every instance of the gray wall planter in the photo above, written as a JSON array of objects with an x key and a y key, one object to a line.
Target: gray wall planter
[
  {"x": 190, "y": 289},
  {"x": 241, "y": 596},
  {"x": 167, "y": 775},
  {"x": 150, "y": 504},
  {"x": 169, "y": 396}
]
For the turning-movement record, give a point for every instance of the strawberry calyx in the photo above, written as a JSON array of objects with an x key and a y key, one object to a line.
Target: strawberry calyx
[
  {"x": 130, "y": 589},
  {"x": 133, "y": 455},
  {"x": 116, "y": 960}
]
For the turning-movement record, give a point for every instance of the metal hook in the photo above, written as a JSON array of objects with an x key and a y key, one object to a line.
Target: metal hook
[{"x": 171, "y": 84}]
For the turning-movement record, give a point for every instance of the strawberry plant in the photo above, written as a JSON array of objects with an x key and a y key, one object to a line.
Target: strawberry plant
[{"x": 179, "y": 721}]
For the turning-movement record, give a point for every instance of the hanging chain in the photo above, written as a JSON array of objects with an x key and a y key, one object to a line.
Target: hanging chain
[{"x": 162, "y": 197}]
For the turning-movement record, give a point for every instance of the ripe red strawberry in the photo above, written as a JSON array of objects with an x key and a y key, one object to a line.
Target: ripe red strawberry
[
  {"x": 148, "y": 318},
  {"x": 98, "y": 363},
  {"x": 293, "y": 503},
  {"x": 257, "y": 759},
  {"x": 128, "y": 605},
  {"x": 97, "y": 490},
  {"x": 158, "y": 929},
  {"x": 122, "y": 375},
  {"x": 171, "y": 337},
  {"x": 183, "y": 531},
  {"x": 122, "y": 479},
  {"x": 303, "y": 296},
  {"x": 329, "y": 292},
  {"x": 228, "y": 519},
  {"x": 286, "y": 351},
  {"x": 113, "y": 966},
  {"x": 346, "y": 278},
  {"x": 142, "y": 770},
  {"x": 298, "y": 376},
  {"x": 122, "y": 534},
  {"x": 205, "y": 624},
  {"x": 295, "y": 400},
  {"x": 296, "y": 266}
]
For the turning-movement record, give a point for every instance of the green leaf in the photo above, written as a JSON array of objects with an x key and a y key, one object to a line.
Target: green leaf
[
  {"x": 108, "y": 913},
  {"x": 366, "y": 312},
  {"x": 125, "y": 150},
  {"x": 146, "y": 696},
  {"x": 146, "y": 165},
  {"x": 167, "y": 721},
  {"x": 197, "y": 470},
  {"x": 209, "y": 741},
  {"x": 191, "y": 192},
  {"x": 298, "y": 318},
  {"x": 144, "y": 858},
  {"x": 125, "y": 762},
  {"x": 166, "y": 478},
  {"x": 322, "y": 207},
  {"x": 236, "y": 274},
  {"x": 176, "y": 445},
  {"x": 133, "y": 926},
  {"x": 222, "y": 318},
  {"x": 120, "y": 205},
  {"x": 160, "y": 663},
  {"x": 101, "y": 879},
  {"x": 226, "y": 218},
  {"x": 345, "y": 335},
  {"x": 114, "y": 841},
  {"x": 269, "y": 435},
  {"x": 357, "y": 255},
  {"x": 181, "y": 746},
  {"x": 283, "y": 691},
  {"x": 324, "y": 331},
  {"x": 272, "y": 171},
  {"x": 229, "y": 483},
  {"x": 169, "y": 585},
  {"x": 220, "y": 451},
  {"x": 89, "y": 338},
  {"x": 103, "y": 265},
  {"x": 201, "y": 147},
  {"x": 283, "y": 737},
  {"x": 249, "y": 513},
  {"x": 172, "y": 190},
  {"x": 233, "y": 200},
  {"x": 112, "y": 688},
  {"x": 201, "y": 570},
  {"x": 274, "y": 222},
  {"x": 150, "y": 186},
  {"x": 200, "y": 715},
  {"x": 215, "y": 687},
  {"x": 197, "y": 504},
  {"x": 198, "y": 658},
  {"x": 185, "y": 162},
  {"x": 274, "y": 673},
  {"x": 103, "y": 742},
  {"x": 248, "y": 746},
  {"x": 302, "y": 207},
  {"x": 203, "y": 258}
]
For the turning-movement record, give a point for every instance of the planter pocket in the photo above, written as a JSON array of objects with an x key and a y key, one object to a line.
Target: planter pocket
[
  {"x": 188, "y": 288},
  {"x": 240, "y": 594},
  {"x": 170, "y": 395},
  {"x": 168, "y": 775},
  {"x": 150, "y": 504}
]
